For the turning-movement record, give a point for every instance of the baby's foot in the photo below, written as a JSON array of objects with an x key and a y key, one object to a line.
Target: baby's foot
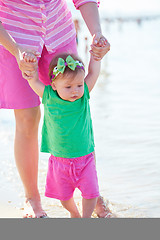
[{"x": 33, "y": 209}]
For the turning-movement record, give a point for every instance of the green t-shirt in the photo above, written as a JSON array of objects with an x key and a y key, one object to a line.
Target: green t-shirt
[{"x": 67, "y": 126}]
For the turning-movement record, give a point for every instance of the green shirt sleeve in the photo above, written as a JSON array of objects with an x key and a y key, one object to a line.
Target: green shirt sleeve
[
  {"x": 86, "y": 91},
  {"x": 46, "y": 94}
]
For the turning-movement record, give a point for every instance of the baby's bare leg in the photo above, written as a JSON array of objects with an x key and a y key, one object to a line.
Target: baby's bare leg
[
  {"x": 88, "y": 206},
  {"x": 71, "y": 207}
]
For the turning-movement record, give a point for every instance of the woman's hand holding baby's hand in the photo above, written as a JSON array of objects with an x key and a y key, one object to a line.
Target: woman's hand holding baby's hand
[
  {"x": 25, "y": 65},
  {"x": 100, "y": 46},
  {"x": 30, "y": 59}
]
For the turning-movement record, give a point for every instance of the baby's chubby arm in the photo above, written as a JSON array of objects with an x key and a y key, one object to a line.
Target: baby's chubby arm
[
  {"x": 93, "y": 72},
  {"x": 94, "y": 64},
  {"x": 32, "y": 76}
]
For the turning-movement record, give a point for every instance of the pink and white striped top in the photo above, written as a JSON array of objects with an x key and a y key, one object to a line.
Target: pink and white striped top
[{"x": 35, "y": 23}]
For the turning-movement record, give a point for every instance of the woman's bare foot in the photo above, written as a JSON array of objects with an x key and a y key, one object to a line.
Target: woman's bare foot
[
  {"x": 33, "y": 209},
  {"x": 102, "y": 210}
]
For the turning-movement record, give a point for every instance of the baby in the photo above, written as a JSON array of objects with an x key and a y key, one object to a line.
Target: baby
[{"x": 67, "y": 132}]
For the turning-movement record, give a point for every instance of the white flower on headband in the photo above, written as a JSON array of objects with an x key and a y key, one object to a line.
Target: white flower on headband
[
  {"x": 79, "y": 63},
  {"x": 55, "y": 69}
]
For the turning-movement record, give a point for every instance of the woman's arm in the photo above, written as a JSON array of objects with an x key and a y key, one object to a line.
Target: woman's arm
[
  {"x": 10, "y": 44},
  {"x": 90, "y": 14},
  {"x": 93, "y": 73}
]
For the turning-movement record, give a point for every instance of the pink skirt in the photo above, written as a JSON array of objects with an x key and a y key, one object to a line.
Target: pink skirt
[{"x": 15, "y": 92}]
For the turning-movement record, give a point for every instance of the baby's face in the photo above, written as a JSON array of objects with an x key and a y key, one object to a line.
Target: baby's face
[{"x": 70, "y": 89}]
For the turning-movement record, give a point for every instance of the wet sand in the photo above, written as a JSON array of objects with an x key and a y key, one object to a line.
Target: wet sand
[{"x": 7, "y": 211}]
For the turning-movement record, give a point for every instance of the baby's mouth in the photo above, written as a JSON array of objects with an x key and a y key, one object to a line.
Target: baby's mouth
[{"x": 73, "y": 97}]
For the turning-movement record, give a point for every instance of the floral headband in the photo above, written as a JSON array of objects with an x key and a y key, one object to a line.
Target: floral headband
[{"x": 61, "y": 65}]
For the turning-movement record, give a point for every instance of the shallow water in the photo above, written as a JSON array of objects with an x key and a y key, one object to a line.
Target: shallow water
[{"x": 126, "y": 118}]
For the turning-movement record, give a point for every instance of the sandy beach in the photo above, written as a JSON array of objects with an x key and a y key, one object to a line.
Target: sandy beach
[
  {"x": 7, "y": 211},
  {"x": 7, "y": 208}
]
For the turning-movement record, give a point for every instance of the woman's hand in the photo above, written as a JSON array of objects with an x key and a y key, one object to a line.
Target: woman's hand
[
  {"x": 24, "y": 66},
  {"x": 100, "y": 46},
  {"x": 29, "y": 57}
]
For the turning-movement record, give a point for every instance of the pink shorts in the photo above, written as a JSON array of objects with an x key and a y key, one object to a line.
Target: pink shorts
[
  {"x": 15, "y": 92},
  {"x": 66, "y": 174}
]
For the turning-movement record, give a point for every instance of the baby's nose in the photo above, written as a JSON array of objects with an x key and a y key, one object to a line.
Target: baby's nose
[{"x": 75, "y": 90}]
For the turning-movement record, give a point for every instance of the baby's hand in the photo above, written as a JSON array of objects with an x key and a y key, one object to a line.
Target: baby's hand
[
  {"x": 29, "y": 57},
  {"x": 102, "y": 42},
  {"x": 30, "y": 75},
  {"x": 100, "y": 46}
]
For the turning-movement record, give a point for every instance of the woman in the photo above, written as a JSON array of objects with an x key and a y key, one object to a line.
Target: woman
[{"x": 44, "y": 27}]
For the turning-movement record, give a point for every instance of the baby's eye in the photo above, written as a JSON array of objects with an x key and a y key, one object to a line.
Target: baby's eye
[
  {"x": 68, "y": 87},
  {"x": 80, "y": 85}
]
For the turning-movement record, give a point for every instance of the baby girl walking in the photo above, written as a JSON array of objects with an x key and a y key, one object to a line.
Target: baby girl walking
[{"x": 67, "y": 132}]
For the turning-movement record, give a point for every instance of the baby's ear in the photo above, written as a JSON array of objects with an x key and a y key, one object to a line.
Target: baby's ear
[{"x": 53, "y": 86}]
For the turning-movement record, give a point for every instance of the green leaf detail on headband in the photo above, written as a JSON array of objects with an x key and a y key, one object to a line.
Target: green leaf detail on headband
[{"x": 70, "y": 62}]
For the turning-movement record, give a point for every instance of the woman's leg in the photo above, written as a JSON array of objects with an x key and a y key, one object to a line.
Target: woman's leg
[
  {"x": 71, "y": 207},
  {"x": 26, "y": 156},
  {"x": 88, "y": 206}
]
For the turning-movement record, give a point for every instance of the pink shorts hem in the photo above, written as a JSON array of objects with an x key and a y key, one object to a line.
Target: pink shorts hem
[
  {"x": 58, "y": 197},
  {"x": 91, "y": 196},
  {"x": 69, "y": 197}
]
